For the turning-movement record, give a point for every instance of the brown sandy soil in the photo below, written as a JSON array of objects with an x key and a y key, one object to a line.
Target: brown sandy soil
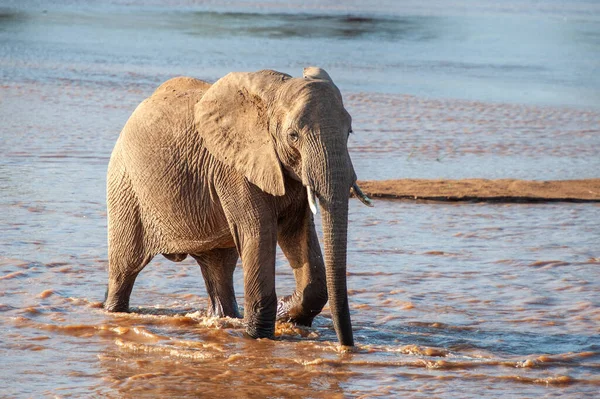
[{"x": 502, "y": 190}]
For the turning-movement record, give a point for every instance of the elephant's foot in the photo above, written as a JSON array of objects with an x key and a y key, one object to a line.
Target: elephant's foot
[
  {"x": 115, "y": 305},
  {"x": 291, "y": 309},
  {"x": 260, "y": 317},
  {"x": 117, "y": 296},
  {"x": 256, "y": 330},
  {"x": 116, "y": 308},
  {"x": 218, "y": 308}
]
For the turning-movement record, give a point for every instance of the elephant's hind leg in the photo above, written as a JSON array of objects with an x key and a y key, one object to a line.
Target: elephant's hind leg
[
  {"x": 127, "y": 255},
  {"x": 119, "y": 291},
  {"x": 125, "y": 263},
  {"x": 217, "y": 267},
  {"x": 122, "y": 272}
]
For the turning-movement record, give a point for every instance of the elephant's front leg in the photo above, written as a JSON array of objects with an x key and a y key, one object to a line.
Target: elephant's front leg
[
  {"x": 217, "y": 267},
  {"x": 256, "y": 245},
  {"x": 298, "y": 240},
  {"x": 253, "y": 225}
]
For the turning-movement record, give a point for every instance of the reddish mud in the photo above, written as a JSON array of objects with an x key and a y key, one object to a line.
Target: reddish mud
[{"x": 501, "y": 190}]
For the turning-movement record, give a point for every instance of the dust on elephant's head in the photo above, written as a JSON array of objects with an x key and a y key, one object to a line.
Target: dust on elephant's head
[{"x": 266, "y": 123}]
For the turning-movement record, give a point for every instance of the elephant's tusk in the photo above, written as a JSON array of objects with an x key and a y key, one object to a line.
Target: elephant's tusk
[
  {"x": 361, "y": 196},
  {"x": 311, "y": 200}
]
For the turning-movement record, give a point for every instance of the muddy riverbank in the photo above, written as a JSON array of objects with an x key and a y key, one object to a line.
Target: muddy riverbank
[{"x": 485, "y": 190}]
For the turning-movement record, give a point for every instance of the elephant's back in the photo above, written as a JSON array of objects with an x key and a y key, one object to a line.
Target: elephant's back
[
  {"x": 157, "y": 140},
  {"x": 181, "y": 86},
  {"x": 166, "y": 117}
]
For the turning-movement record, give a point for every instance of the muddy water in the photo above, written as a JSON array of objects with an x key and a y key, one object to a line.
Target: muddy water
[{"x": 447, "y": 300}]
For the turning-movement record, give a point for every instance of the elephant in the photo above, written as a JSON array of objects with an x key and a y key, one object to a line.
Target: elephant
[{"x": 231, "y": 169}]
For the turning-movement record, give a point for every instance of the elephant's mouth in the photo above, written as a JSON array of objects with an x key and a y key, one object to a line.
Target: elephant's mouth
[{"x": 312, "y": 197}]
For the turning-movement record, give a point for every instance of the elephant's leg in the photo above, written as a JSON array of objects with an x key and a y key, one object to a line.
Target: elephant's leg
[
  {"x": 125, "y": 262},
  {"x": 299, "y": 242},
  {"x": 252, "y": 221},
  {"x": 217, "y": 267},
  {"x": 127, "y": 255},
  {"x": 119, "y": 291},
  {"x": 260, "y": 307},
  {"x": 124, "y": 265}
]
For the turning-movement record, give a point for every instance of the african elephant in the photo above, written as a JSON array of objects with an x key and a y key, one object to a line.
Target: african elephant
[{"x": 232, "y": 168}]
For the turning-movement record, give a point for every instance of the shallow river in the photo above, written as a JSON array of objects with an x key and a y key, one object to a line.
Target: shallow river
[{"x": 448, "y": 300}]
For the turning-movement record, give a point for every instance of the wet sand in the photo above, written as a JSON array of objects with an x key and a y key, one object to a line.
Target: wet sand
[{"x": 500, "y": 190}]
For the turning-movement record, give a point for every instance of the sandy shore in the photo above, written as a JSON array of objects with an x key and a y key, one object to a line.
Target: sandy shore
[{"x": 501, "y": 190}]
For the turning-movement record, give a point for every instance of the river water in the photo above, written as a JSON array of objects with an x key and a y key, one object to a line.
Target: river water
[{"x": 447, "y": 300}]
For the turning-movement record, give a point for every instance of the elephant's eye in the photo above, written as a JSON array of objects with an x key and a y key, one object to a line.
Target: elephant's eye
[
  {"x": 350, "y": 132},
  {"x": 293, "y": 135}
]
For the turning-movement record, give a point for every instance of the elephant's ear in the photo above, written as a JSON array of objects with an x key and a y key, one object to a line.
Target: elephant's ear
[{"x": 233, "y": 119}]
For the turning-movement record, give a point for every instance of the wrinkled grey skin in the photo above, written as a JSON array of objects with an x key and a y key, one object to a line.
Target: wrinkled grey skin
[{"x": 218, "y": 170}]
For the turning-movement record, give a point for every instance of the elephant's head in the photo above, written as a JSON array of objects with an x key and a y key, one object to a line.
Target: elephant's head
[{"x": 266, "y": 125}]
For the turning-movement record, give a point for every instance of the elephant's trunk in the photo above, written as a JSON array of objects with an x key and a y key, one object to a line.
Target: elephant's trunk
[
  {"x": 335, "y": 231},
  {"x": 329, "y": 173}
]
